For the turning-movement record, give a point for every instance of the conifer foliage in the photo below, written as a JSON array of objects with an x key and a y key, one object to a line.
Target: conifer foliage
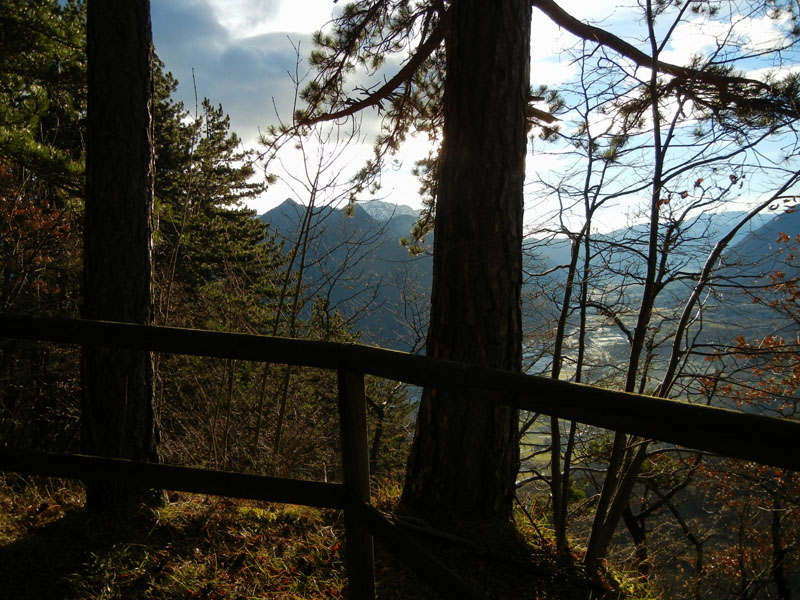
[
  {"x": 215, "y": 266},
  {"x": 42, "y": 120}
]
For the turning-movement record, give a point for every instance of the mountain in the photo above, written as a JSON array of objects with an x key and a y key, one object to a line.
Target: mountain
[
  {"x": 355, "y": 260},
  {"x": 748, "y": 264},
  {"x": 762, "y": 243},
  {"x": 698, "y": 237},
  {"x": 385, "y": 211}
]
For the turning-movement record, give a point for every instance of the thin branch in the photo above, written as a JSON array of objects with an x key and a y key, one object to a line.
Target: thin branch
[
  {"x": 591, "y": 33},
  {"x": 403, "y": 75}
]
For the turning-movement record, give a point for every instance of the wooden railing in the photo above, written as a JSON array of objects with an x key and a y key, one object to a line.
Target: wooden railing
[{"x": 730, "y": 433}]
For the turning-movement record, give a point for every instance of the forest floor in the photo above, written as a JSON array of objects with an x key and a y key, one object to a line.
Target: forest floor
[{"x": 216, "y": 548}]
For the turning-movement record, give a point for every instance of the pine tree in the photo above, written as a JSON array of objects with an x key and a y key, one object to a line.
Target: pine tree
[
  {"x": 42, "y": 118},
  {"x": 117, "y": 410},
  {"x": 416, "y": 98},
  {"x": 465, "y": 455},
  {"x": 205, "y": 235},
  {"x": 43, "y": 91}
]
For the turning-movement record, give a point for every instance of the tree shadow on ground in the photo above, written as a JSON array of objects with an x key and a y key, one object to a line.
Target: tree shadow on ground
[
  {"x": 494, "y": 560},
  {"x": 70, "y": 557},
  {"x": 212, "y": 548}
]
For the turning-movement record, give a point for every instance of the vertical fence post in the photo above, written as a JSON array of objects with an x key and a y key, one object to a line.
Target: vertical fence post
[{"x": 355, "y": 474}]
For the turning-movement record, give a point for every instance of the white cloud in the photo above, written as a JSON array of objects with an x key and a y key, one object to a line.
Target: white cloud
[
  {"x": 243, "y": 18},
  {"x": 296, "y": 170},
  {"x": 241, "y": 54},
  {"x": 550, "y": 61},
  {"x": 596, "y": 10},
  {"x": 247, "y": 18},
  {"x": 550, "y": 65},
  {"x": 763, "y": 33},
  {"x": 702, "y": 35}
]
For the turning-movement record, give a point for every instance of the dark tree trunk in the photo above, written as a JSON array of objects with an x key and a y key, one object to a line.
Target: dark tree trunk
[
  {"x": 639, "y": 535},
  {"x": 465, "y": 454},
  {"x": 117, "y": 411}
]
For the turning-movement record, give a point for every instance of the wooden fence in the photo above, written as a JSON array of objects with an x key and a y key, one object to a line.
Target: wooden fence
[{"x": 730, "y": 433}]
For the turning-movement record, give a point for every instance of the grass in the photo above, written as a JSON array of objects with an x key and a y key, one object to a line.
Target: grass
[{"x": 216, "y": 548}]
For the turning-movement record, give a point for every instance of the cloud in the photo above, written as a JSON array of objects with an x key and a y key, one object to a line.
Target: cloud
[
  {"x": 547, "y": 46},
  {"x": 550, "y": 60},
  {"x": 240, "y": 54},
  {"x": 247, "y": 18},
  {"x": 184, "y": 28},
  {"x": 742, "y": 34},
  {"x": 244, "y": 74},
  {"x": 592, "y": 11},
  {"x": 244, "y": 17}
]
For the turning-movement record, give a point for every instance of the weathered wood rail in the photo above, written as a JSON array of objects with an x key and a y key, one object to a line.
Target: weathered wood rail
[{"x": 730, "y": 433}]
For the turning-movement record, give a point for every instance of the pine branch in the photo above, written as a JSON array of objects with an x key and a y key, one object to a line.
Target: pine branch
[
  {"x": 422, "y": 53},
  {"x": 591, "y": 33}
]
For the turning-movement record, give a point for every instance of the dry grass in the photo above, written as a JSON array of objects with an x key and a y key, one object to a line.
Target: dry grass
[{"x": 215, "y": 548}]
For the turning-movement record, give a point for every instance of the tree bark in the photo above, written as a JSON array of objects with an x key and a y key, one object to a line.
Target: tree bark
[
  {"x": 118, "y": 387},
  {"x": 465, "y": 454}
]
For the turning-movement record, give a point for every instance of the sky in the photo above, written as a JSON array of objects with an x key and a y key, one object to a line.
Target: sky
[{"x": 240, "y": 53}]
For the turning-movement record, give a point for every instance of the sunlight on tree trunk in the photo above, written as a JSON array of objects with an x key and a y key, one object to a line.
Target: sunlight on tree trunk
[{"x": 465, "y": 455}]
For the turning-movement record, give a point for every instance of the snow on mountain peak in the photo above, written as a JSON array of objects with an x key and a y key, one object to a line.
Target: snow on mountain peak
[{"x": 383, "y": 211}]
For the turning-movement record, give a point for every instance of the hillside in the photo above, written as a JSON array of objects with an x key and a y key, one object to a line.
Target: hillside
[
  {"x": 760, "y": 247},
  {"x": 357, "y": 262},
  {"x": 214, "y": 548},
  {"x": 744, "y": 273}
]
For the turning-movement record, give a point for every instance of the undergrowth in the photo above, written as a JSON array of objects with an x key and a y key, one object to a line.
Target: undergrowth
[{"x": 216, "y": 548}]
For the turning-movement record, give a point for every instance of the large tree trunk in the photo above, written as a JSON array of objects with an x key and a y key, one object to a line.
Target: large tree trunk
[
  {"x": 465, "y": 454},
  {"x": 118, "y": 388}
]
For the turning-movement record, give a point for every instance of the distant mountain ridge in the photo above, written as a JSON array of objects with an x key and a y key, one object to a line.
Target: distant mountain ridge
[
  {"x": 355, "y": 259},
  {"x": 763, "y": 241},
  {"x": 707, "y": 230},
  {"x": 384, "y": 211},
  {"x": 379, "y": 275}
]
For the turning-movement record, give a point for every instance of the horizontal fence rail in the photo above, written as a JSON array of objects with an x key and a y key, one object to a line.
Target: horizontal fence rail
[
  {"x": 731, "y": 433},
  {"x": 762, "y": 439},
  {"x": 179, "y": 479}
]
